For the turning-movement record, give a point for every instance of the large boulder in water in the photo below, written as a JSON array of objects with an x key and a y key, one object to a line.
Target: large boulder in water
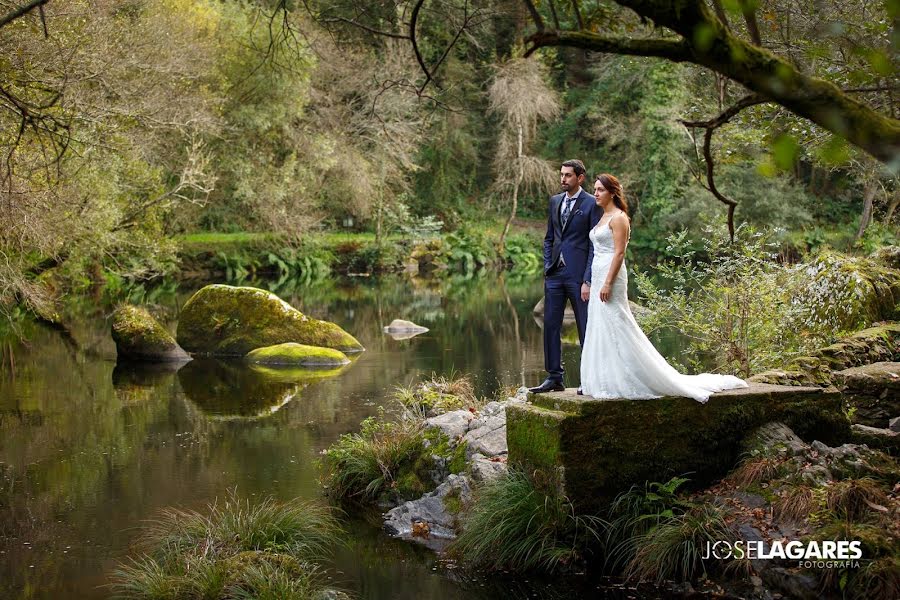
[
  {"x": 221, "y": 320},
  {"x": 138, "y": 336}
]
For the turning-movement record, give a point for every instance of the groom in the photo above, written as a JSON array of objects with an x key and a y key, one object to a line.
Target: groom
[{"x": 568, "y": 254}]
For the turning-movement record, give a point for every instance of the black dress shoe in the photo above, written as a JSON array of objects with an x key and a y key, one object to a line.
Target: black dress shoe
[
  {"x": 579, "y": 392},
  {"x": 548, "y": 386}
]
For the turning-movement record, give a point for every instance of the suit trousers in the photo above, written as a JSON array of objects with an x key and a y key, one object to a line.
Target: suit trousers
[{"x": 560, "y": 286}]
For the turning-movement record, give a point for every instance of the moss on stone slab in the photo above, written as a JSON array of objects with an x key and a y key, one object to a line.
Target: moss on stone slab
[
  {"x": 231, "y": 321},
  {"x": 291, "y": 353},
  {"x": 606, "y": 446},
  {"x": 533, "y": 435},
  {"x": 139, "y": 336}
]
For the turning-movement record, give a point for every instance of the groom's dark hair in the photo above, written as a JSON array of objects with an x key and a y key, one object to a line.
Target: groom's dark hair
[{"x": 576, "y": 165}]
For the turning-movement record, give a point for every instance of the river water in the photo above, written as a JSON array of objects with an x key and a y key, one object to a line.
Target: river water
[{"x": 90, "y": 449}]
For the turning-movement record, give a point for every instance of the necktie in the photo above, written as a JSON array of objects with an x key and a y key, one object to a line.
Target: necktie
[{"x": 567, "y": 210}]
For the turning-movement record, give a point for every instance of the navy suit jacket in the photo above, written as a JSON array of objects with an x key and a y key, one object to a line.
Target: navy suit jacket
[{"x": 572, "y": 242}]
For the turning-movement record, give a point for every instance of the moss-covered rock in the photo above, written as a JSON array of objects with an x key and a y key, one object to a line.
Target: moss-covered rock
[
  {"x": 138, "y": 336},
  {"x": 847, "y": 292},
  {"x": 889, "y": 256},
  {"x": 880, "y": 343},
  {"x": 603, "y": 447},
  {"x": 873, "y": 391},
  {"x": 297, "y": 354},
  {"x": 221, "y": 320}
]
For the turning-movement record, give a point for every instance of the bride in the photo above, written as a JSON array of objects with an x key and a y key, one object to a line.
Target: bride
[{"x": 617, "y": 360}]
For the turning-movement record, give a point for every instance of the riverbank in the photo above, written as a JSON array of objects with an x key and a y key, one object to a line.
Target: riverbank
[
  {"x": 487, "y": 510},
  {"x": 248, "y": 255}
]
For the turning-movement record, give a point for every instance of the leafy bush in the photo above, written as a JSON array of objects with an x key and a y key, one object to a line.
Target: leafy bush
[{"x": 745, "y": 312}]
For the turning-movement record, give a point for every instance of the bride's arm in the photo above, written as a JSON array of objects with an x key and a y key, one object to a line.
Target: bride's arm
[{"x": 620, "y": 229}]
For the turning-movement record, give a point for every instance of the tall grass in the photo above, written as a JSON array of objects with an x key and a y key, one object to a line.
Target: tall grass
[
  {"x": 381, "y": 460},
  {"x": 634, "y": 513},
  {"x": 673, "y": 548},
  {"x": 237, "y": 549},
  {"x": 519, "y": 525}
]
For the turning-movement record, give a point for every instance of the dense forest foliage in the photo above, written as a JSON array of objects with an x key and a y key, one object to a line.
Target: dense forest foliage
[{"x": 127, "y": 123}]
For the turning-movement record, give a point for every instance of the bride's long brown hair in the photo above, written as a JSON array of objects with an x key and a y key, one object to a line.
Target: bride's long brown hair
[{"x": 611, "y": 184}]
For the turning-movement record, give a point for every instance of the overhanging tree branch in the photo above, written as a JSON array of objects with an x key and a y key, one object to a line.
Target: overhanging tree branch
[
  {"x": 710, "y": 126},
  {"x": 22, "y": 11},
  {"x": 708, "y": 42},
  {"x": 674, "y": 50}
]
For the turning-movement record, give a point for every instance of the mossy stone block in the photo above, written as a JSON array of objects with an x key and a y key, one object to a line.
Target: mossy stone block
[
  {"x": 603, "y": 447},
  {"x": 221, "y": 320}
]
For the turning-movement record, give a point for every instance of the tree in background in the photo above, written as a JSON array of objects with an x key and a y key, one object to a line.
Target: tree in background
[{"x": 522, "y": 98}]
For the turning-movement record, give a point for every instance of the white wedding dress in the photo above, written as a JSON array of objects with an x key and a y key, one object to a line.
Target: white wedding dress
[{"x": 617, "y": 360}]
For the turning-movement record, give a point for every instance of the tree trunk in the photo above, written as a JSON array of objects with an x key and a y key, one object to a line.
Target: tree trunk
[
  {"x": 515, "y": 196},
  {"x": 895, "y": 201},
  {"x": 866, "y": 217}
]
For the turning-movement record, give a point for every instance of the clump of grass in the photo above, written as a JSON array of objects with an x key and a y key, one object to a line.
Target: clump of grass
[
  {"x": 673, "y": 548},
  {"x": 635, "y": 512},
  {"x": 878, "y": 579},
  {"x": 796, "y": 504},
  {"x": 856, "y": 499},
  {"x": 437, "y": 395},
  {"x": 878, "y": 576},
  {"x": 237, "y": 549},
  {"x": 755, "y": 470},
  {"x": 384, "y": 460},
  {"x": 521, "y": 524}
]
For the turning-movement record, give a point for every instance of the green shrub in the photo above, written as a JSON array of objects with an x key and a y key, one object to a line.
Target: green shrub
[
  {"x": 237, "y": 550},
  {"x": 384, "y": 462},
  {"x": 673, "y": 548},
  {"x": 745, "y": 312},
  {"x": 519, "y": 524}
]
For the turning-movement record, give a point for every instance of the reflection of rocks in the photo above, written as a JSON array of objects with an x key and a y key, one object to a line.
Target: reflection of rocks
[
  {"x": 138, "y": 336},
  {"x": 231, "y": 321},
  {"x": 233, "y": 389},
  {"x": 143, "y": 374},
  {"x": 298, "y": 355},
  {"x": 404, "y": 330},
  {"x": 569, "y": 315},
  {"x": 538, "y": 311}
]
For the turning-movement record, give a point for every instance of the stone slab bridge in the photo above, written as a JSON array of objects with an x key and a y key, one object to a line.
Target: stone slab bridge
[{"x": 603, "y": 447}]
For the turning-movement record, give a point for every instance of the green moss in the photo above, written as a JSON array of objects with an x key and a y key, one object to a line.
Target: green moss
[
  {"x": 231, "y": 321},
  {"x": 453, "y": 502},
  {"x": 458, "y": 462},
  {"x": 533, "y": 435},
  {"x": 410, "y": 486},
  {"x": 291, "y": 353}
]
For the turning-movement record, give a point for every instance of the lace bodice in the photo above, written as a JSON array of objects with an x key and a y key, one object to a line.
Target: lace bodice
[{"x": 602, "y": 238}]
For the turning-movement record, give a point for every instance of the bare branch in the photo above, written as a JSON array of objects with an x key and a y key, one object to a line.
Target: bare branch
[{"x": 711, "y": 125}]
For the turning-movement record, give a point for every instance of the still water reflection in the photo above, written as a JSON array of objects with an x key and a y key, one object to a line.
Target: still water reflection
[{"x": 89, "y": 449}]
